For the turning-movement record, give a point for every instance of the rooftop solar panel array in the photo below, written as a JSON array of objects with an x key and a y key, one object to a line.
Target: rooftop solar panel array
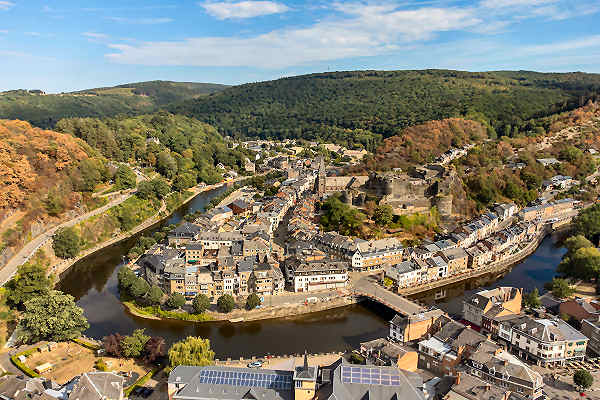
[
  {"x": 250, "y": 379},
  {"x": 370, "y": 376}
]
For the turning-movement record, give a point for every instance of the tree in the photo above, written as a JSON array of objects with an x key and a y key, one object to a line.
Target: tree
[
  {"x": 126, "y": 278},
  {"x": 166, "y": 165},
  {"x": 252, "y": 302},
  {"x": 139, "y": 288},
  {"x": 154, "y": 349},
  {"x": 201, "y": 303},
  {"x": 560, "y": 288},
  {"x": 583, "y": 264},
  {"x": 533, "y": 299},
  {"x": 125, "y": 178},
  {"x": 155, "y": 295},
  {"x": 112, "y": 344},
  {"x": 587, "y": 222},
  {"x": 66, "y": 243},
  {"x": 192, "y": 351},
  {"x": 583, "y": 379},
  {"x": 52, "y": 317},
  {"x": 145, "y": 190},
  {"x": 132, "y": 346},
  {"x": 161, "y": 187},
  {"x": 54, "y": 203},
  {"x": 577, "y": 242},
  {"x": 383, "y": 215},
  {"x": 226, "y": 303},
  {"x": 31, "y": 281},
  {"x": 175, "y": 300}
]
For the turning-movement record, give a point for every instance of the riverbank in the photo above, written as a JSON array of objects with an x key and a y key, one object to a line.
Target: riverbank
[
  {"x": 63, "y": 267},
  {"x": 239, "y": 315},
  {"x": 498, "y": 267}
]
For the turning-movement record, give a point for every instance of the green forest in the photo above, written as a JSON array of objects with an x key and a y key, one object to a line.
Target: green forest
[
  {"x": 360, "y": 108},
  {"x": 181, "y": 149},
  {"x": 45, "y": 111}
]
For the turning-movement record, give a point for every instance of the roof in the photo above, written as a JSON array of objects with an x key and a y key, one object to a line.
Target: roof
[
  {"x": 348, "y": 383},
  {"x": 186, "y": 229},
  {"x": 220, "y": 382},
  {"x": 545, "y": 329},
  {"x": 98, "y": 386}
]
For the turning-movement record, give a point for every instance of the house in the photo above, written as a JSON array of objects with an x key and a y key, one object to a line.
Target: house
[
  {"x": 437, "y": 268},
  {"x": 414, "y": 327},
  {"x": 383, "y": 352},
  {"x": 360, "y": 382},
  {"x": 14, "y": 387},
  {"x": 543, "y": 341},
  {"x": 456, "y": 258},
  {"x": 481, "y": 302},
  {"x": 479, "y": 255},
  {"x": 491, "y": 363},
  {"x": 546, "y": 162},
  {"x": 98, "y": 386},
  {"x": 320, "y": 275},
  {"x": 591, "y": 329},
  {"x": 470, "y": 387},
  {"x": 580, "y": 309},
  {"x": 506, "y": 210},
  {"x": 371, "y": 255},
  {"x": 183, "y": 233},
  {"x": 240, "y": 207},
  {"x": 406, "y": 273}
]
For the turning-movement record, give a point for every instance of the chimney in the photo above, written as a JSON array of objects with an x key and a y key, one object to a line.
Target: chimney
[
  {"x": 488, "y": 387},
  {"x": 505, "y": 363},
  {"x": 498, "y": 351},
  {"x": 457, "y": 379}
]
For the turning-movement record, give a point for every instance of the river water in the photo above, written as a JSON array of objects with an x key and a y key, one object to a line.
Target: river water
[{"x": 93, "y": 282}]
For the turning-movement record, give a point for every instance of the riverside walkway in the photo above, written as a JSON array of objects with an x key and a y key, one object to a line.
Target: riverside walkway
[{"x": 367, "y": 287}]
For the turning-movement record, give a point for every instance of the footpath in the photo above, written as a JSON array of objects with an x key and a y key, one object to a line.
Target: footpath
[{"x": 27, "y": 251}]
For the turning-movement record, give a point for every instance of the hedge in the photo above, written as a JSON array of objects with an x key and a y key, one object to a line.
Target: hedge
[
  {"x": 156, "y": 311},
  {"x": 87, "y": 345},
  {"x": 141, "y": 381},
  {"x": 28, "y": 371}
]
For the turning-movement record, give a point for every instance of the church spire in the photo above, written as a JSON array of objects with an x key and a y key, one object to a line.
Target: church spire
[{"x": 305, "y": 360}]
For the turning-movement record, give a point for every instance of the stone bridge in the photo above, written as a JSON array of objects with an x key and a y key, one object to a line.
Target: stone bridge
[{"x": 367, "y": 287}]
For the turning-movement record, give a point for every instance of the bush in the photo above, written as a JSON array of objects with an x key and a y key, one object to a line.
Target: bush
[
  {"x": 226, "y": 303},
  {"x": 357, "y": 359},
  {"x": 66, "y": 243},
  {"x": 201, "y": 303},
  {"x": 101, "y": 365},
  {"x": 175, "y": 300},
  {"x": 26, "y": 370},
  {"x": 252, "y": 302}
]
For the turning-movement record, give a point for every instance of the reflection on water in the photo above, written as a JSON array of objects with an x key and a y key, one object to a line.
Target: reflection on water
[
  {"x": 93, "y": 282},
  {"x": 532, "y": 272}
]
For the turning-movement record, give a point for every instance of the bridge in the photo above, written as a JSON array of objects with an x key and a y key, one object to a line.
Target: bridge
[{"x": 366, "y": 287}]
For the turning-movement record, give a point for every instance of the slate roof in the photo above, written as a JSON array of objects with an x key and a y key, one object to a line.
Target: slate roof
[
  {"x": 98, "y": 386},
  {"x": 186, "y": 229}
]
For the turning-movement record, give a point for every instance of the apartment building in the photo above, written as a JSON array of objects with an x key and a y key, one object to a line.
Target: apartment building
[
  {"x": 591, "y": 329},
  {"x": 266, "y": 280},
  {"x": 320, "y": 275},
  {"x": 543, "y": 341},
  {"x": 406, "y": 273},
  {"x": 580, "y": 309},
  {"x": 456, "y": 258},
  {"x": 414, "y": 327},
  {"x": 371, "y": 255},
  {"x": 545, "y": 212},
  {"x": 492, "y": 364},
  {"x": 475, "y": 306}
]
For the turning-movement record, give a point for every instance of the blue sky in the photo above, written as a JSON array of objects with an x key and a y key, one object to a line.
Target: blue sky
[{"x": 68, "y": 45}]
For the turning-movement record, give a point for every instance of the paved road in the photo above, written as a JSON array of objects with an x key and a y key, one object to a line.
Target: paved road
[
  {"x": 32, "y": 246},
  {"x": 367, "y": 287}
]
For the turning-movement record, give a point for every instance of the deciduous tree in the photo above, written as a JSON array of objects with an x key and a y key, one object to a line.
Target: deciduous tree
[
  {"x": 31, "y": 281},
  {"x": 226, "y": 303},
  {"x": 193, "y": 351},
  {"x": 175, "y": 300},
  {"x": 201, "y": 303},
  {"x": 66, "y": 243}
]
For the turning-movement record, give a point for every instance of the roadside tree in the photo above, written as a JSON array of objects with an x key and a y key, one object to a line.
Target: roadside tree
[
  {"x": 252, "y": 302},
  {"x": 175, "y": 300},
  {"x": 201, "y": 303},
  {"x": 66, "y": 243},
  {"x": 226, "y": 303},
  {"x": 583, "y": 379}
]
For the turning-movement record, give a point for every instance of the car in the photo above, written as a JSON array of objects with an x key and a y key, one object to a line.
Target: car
[
  {"x": 138, "y": 391},
  {"x": 255, "y": 364},
  {"x": 147, "y": 392}
]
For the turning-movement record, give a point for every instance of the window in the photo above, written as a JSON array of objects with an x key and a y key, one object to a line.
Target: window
[{"x": 299, "y": 384}]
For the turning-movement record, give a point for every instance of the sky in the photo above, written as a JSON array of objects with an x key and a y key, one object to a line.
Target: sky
[{"x": 66, "y": 45}]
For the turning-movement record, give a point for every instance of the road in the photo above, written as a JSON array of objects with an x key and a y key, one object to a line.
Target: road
[
  {"x": 366, "y": 286},
  {"x": 32, "y": 246}
]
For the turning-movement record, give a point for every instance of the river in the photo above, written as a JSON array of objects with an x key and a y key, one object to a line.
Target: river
[{"x": 93, "y": 282}]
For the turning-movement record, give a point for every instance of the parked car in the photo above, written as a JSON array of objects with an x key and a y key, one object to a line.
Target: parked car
[
  {"x": 255, "y": 364},
  {"x": 147, "y": 392}
]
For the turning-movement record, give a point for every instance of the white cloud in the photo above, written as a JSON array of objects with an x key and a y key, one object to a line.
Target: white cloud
[
  {"x": 514, "y": 3},
  {"x": 243, "y": 9},
  {"x": 95, "y": 36},
  {"x": 365, "y": 30},
  {"x": 564, "y": 46},
  {"x": 3, "y": 31},
  {"x": 6, "y": 5},
  {"x": 141, "y": 21},
  {"x": 33, "y": 33}
]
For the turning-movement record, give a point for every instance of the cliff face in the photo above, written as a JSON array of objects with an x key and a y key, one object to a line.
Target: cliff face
[{"x": 33, "y": 160}]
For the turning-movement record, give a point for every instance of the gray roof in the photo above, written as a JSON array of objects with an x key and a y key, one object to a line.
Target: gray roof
[
  {"x": 98, "y": 386},
  {"x": 410, "y": 387},
  {"x": 197, "y": 388},
  {"x": 186, "y": 229}
]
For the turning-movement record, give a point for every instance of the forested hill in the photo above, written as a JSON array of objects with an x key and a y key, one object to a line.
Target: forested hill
[
  {"x": 44, "y": 110},
  {"x": 364, "y": 106}
]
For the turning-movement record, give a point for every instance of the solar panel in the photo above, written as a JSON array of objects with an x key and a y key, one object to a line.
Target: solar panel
[
  {"x": 370, "y": 376},
  {"x": 251, "y": 379}
]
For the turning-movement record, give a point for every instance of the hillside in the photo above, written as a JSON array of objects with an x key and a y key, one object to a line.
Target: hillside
[
  {"x": 359, "y": 108},
  {"x": 44, "y": 110},
  {"x": 422, "y": 143}
]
